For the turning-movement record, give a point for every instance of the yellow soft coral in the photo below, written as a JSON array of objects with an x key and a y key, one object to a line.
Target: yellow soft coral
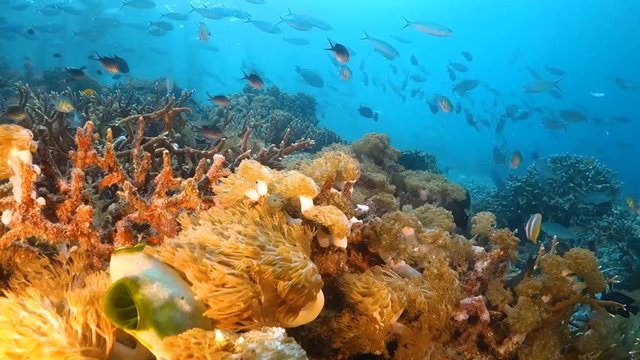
[
  {"x": 431, "y": 186},
  {"x": 432, "y": 216},
  {"x": 263, "y": 344},
  {"x": 53, "y": 312},
  {"x": 506, "y": 241},
  {"x": 483, "y": 224},
  {"x": 249, "y": 183},
  {"x": 334, "y": 220},
  {"x": 248, "y": 266},
  {"x": 585, "y": 264},
  {"x": 333, "y": 168}
]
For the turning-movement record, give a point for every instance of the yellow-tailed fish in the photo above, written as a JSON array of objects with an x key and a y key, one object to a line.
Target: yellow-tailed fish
[
  {"x": 89, "y": 92},
  {"x": 516, "y": 159},
  {"x": 532, "y": 229},
  {"x": 631, "y": 203},
  {"x": 63, "y": 105}
]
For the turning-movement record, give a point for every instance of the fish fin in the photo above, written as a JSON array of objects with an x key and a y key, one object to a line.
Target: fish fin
[
  {"x": 557, "y": 83},
  {"x": 278, "y": 23},
  {"x": 330, "y": 44},
  {"x": 408, "y": 23},
  {"x": 366, "y": 36},
  {"x": 192, "y": 8}
]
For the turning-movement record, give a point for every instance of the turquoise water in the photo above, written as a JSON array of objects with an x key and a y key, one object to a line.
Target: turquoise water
[{"x": 592, "y": 41}]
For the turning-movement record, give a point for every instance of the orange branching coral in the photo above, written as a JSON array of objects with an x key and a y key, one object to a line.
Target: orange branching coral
[
  {"x": 248, "y": 266},
  {"x": 263, "y": 344},
  {"x": 162, "y": 209},
  {"x": 53, "y": 312},
  {"x": 483, "y": 224}
]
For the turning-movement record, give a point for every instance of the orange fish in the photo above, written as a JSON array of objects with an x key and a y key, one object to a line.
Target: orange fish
[
  {"x": 345, "y": 73},
  {"x": 220, "y": 100},
  {"x": 254, "y": 80},
  {"x": 203, "y": 32},
  {"x": 445, "y": 104},
  {"x": 340, "y": 52},
  {"x": 516, "y": 159}
]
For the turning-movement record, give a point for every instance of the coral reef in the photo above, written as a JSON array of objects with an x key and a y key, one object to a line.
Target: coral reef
[
  {"x": 577, "y": 195},
  {"x": 271, "y": 114},
  {"x": 127, "y": 236}
]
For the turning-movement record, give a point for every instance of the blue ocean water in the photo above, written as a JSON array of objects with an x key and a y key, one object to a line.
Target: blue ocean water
[{"x": 593, "y": 42}]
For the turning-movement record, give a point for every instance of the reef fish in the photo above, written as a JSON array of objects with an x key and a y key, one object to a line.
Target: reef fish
[
  {"x": 340, "y": 52},
  {"x": 63, "y": 105},
  {"x": 464, "y": 86},
  {"x": 467, "y": 55},
  {"x": 265, "y": 26},
  {"x": 445, "y": 104},
  {"x": 384, "y": 48},
  {"x": 211, "y": 132},
  {"x": 254, "y": 81},
  {"x": 459, "y": 67},
  {"x": 572, "y": 116},
  {"x": 542, "y": 86},
  {"x": 76, "y": 73},
  {"x": 113, "y": 64},
  {"x": 203, "y": 32},
  {"x": 220, "y": 100},
  {"x": 297, "y": 41},
  {"x": 14, "y": 113},
  {"x": 310, "y": 77},
  {"x": 367, "y": 112},
  {"x": 629, "y": 304},
  {"x": 138, "y": 4},
  {"x": 532, "y": 228},
  {"x": 345, "y": 73},
  {"x": 516, "y": 160},
  {"x": 559, "y": 230},
  {"x": 429, "y": 28}
]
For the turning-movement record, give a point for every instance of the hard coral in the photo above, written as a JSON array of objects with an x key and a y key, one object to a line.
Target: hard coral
[{"x": 248, "y": 266}]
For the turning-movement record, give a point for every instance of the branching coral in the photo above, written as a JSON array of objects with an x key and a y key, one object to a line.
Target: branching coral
[{"x": 577, "y": 193}]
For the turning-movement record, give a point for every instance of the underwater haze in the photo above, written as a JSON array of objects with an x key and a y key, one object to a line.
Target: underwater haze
[
  {"x": 592, "y": 42},
  {"x": 325, "y": 180}
]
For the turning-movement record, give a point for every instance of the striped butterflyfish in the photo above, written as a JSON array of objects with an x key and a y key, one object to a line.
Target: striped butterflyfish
[{"x": 532, "y": 229}]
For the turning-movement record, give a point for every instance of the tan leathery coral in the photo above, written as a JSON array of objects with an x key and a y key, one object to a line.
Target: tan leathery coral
[
  {"x": 248, "y": 266},
  {"x": 334, "y": 220}
]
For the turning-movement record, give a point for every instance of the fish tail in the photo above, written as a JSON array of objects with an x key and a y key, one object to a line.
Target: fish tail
[
  {"x": 123, "y": 4},
  {"x": 289, "y": 13},
  {"x": 407, "y": 24},
  {"x": 375, "y": 116},
  {"x": 330, "y": 44},
  {"x": 366, "y": 36},
  {"x": 192, "y": 8},
  {"x": 281, "y": 20},
  {"x": 557, "y": 83}
]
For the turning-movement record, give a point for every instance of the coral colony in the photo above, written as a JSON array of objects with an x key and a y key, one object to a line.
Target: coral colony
[{"x": 127, "y": 234}]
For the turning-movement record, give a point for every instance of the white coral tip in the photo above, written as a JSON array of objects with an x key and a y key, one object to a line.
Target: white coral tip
[
  {"x": 306, "y": 203},
  {"x": 7, "y": 215},
  {"x": 341, "y": 243},
  {"x": 262, "y": 188}
]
